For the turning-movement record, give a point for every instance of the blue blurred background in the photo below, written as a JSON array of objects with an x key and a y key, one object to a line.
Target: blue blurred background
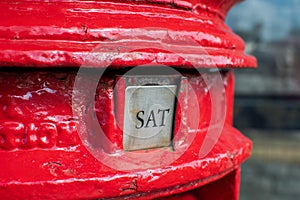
[{"x": 267, "y": 101}]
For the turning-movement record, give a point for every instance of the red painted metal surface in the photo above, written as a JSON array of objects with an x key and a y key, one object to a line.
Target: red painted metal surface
[
  {"x": 43, "y": 154},
  {"x": 61, "y": 33}
]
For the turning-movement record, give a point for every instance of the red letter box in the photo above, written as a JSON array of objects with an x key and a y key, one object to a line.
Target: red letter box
[{"x": 119, "y": 99}]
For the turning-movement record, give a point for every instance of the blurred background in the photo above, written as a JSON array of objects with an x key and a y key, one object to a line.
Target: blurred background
[{"x": 267, "y": 101}]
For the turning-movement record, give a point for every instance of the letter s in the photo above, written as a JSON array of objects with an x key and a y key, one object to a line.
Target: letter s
[{"x": 140, "y": 119}]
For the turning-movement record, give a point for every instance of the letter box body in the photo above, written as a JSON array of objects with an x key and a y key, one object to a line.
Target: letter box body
[{"x": 119, "y": 100}]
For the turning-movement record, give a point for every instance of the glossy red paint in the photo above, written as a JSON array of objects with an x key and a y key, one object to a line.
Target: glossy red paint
[
  {"x": 42, "y": 155},
  {"x": 224, "y": 188},
  {"x": 61, "y": 33}
]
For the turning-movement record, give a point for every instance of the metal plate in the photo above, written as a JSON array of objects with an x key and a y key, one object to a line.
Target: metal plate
[{"x": 148, "y": 116}]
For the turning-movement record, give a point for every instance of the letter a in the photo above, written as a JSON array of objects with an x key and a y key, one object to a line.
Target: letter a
[{"x": 151, "y": 118}]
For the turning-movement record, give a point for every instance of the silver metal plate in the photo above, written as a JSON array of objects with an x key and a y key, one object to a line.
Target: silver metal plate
[{"x": 148, "y": 116}]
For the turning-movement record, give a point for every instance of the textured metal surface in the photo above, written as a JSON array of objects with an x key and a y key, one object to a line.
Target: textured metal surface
[
  {"x": 61, "y": 33},
  {"x": 226, "y": 188},
  {"x": 148, "y": 116},
  {"x": 67, "y": 170}
]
